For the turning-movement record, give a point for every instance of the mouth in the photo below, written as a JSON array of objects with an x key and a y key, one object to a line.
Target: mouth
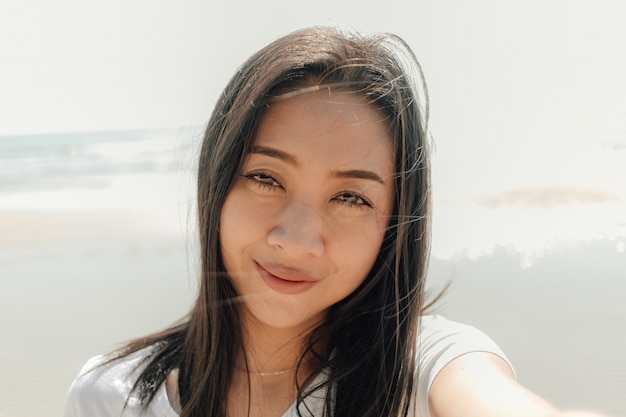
[{"x": 284, "y": 280}]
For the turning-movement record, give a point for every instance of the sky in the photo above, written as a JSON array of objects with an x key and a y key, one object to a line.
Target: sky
[
  {"x": 75, "y": 65},
  {"x": 522, "y": 93}
]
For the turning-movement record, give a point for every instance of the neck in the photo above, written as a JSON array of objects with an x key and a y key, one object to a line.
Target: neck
[
  {"x": 267, "y": 370},
  {"x": 273, "y": 351}
]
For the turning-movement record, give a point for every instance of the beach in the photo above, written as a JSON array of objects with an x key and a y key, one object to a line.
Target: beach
[
  {"x": 80, "y": 284},
  {"x": 560, "y": 322},
  {"x": 103, "y": 107},
  {"x": 98, "y": 246},
  {"x": 76, "y": 285}
]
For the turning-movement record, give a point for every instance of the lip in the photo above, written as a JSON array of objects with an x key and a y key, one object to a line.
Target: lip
[{"x": 285, "y": 280}]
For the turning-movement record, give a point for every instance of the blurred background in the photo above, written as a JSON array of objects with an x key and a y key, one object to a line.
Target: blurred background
[{"x": 102, "y": 105}]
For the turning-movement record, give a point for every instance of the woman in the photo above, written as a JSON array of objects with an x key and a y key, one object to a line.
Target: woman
[{"x": 314, "y": 211}]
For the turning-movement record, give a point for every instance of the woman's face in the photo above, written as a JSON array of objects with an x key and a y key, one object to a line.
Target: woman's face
[{"x": 304, "y": 222}]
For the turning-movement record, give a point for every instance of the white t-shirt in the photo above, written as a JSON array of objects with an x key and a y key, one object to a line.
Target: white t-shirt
[{"x": 104, "y": 391}]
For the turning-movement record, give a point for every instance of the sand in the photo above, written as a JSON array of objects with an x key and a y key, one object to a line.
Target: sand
[
  {"x": 561, "y": 322},
  {"x": 75, "y": 284},
  {"x": 78, "y": 284}
]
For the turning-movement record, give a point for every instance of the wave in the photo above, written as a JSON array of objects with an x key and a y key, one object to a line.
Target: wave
[{"x": 90, "y": 159}]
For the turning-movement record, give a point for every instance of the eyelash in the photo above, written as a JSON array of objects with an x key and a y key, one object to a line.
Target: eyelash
[
  {"x": 361, "y": 204},
  {"x": 257, "y": 179}
]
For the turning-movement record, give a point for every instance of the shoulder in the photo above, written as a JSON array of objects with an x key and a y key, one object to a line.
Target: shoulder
[
  {"x": 440, "y": 336},
  {"x": 440, "y": 341},
  {"x": 102, "y": 389}
]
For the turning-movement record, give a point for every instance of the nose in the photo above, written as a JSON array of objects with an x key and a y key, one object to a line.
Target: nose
[{"x": 298, "y": 231}]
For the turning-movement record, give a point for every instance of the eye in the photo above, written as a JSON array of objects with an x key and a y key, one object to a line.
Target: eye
[
  {"x": 262, "y": 180},
  {"x": 352, "y": 199}
]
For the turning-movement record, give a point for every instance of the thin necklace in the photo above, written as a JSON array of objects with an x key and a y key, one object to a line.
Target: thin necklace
[{"x": 274, "y": 373}]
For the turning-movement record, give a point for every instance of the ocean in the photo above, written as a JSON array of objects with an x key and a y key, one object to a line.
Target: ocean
[
  {"x": 97, "y": 246},
  {"x": 84, "y": 165}
]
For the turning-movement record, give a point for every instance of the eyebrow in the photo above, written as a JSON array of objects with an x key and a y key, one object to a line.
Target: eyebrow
[
  {"x": 290, "y": 159},
  {"x": 275, "y": 153},
  {"x": 358, "y": 173}
]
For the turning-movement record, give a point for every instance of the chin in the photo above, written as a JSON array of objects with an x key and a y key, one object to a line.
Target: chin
[{"x": 287, "y": 321}]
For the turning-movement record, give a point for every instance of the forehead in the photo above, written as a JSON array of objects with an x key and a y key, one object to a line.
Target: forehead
[{"x": 340, "y": 125}]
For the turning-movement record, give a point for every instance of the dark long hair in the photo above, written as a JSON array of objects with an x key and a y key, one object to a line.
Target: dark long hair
[{"x": 372, "y": 333}]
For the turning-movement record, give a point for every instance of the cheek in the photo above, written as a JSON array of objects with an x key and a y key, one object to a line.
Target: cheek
[
  {"x": 241, "y": 222},
  {"x": 229, "y": 215},
  {"x": 232, "y": 231},
  {"x": 358, "y": 247}
]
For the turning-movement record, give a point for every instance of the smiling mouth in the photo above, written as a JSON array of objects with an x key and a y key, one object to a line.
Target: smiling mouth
[{"x": 292, "y": 282}]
